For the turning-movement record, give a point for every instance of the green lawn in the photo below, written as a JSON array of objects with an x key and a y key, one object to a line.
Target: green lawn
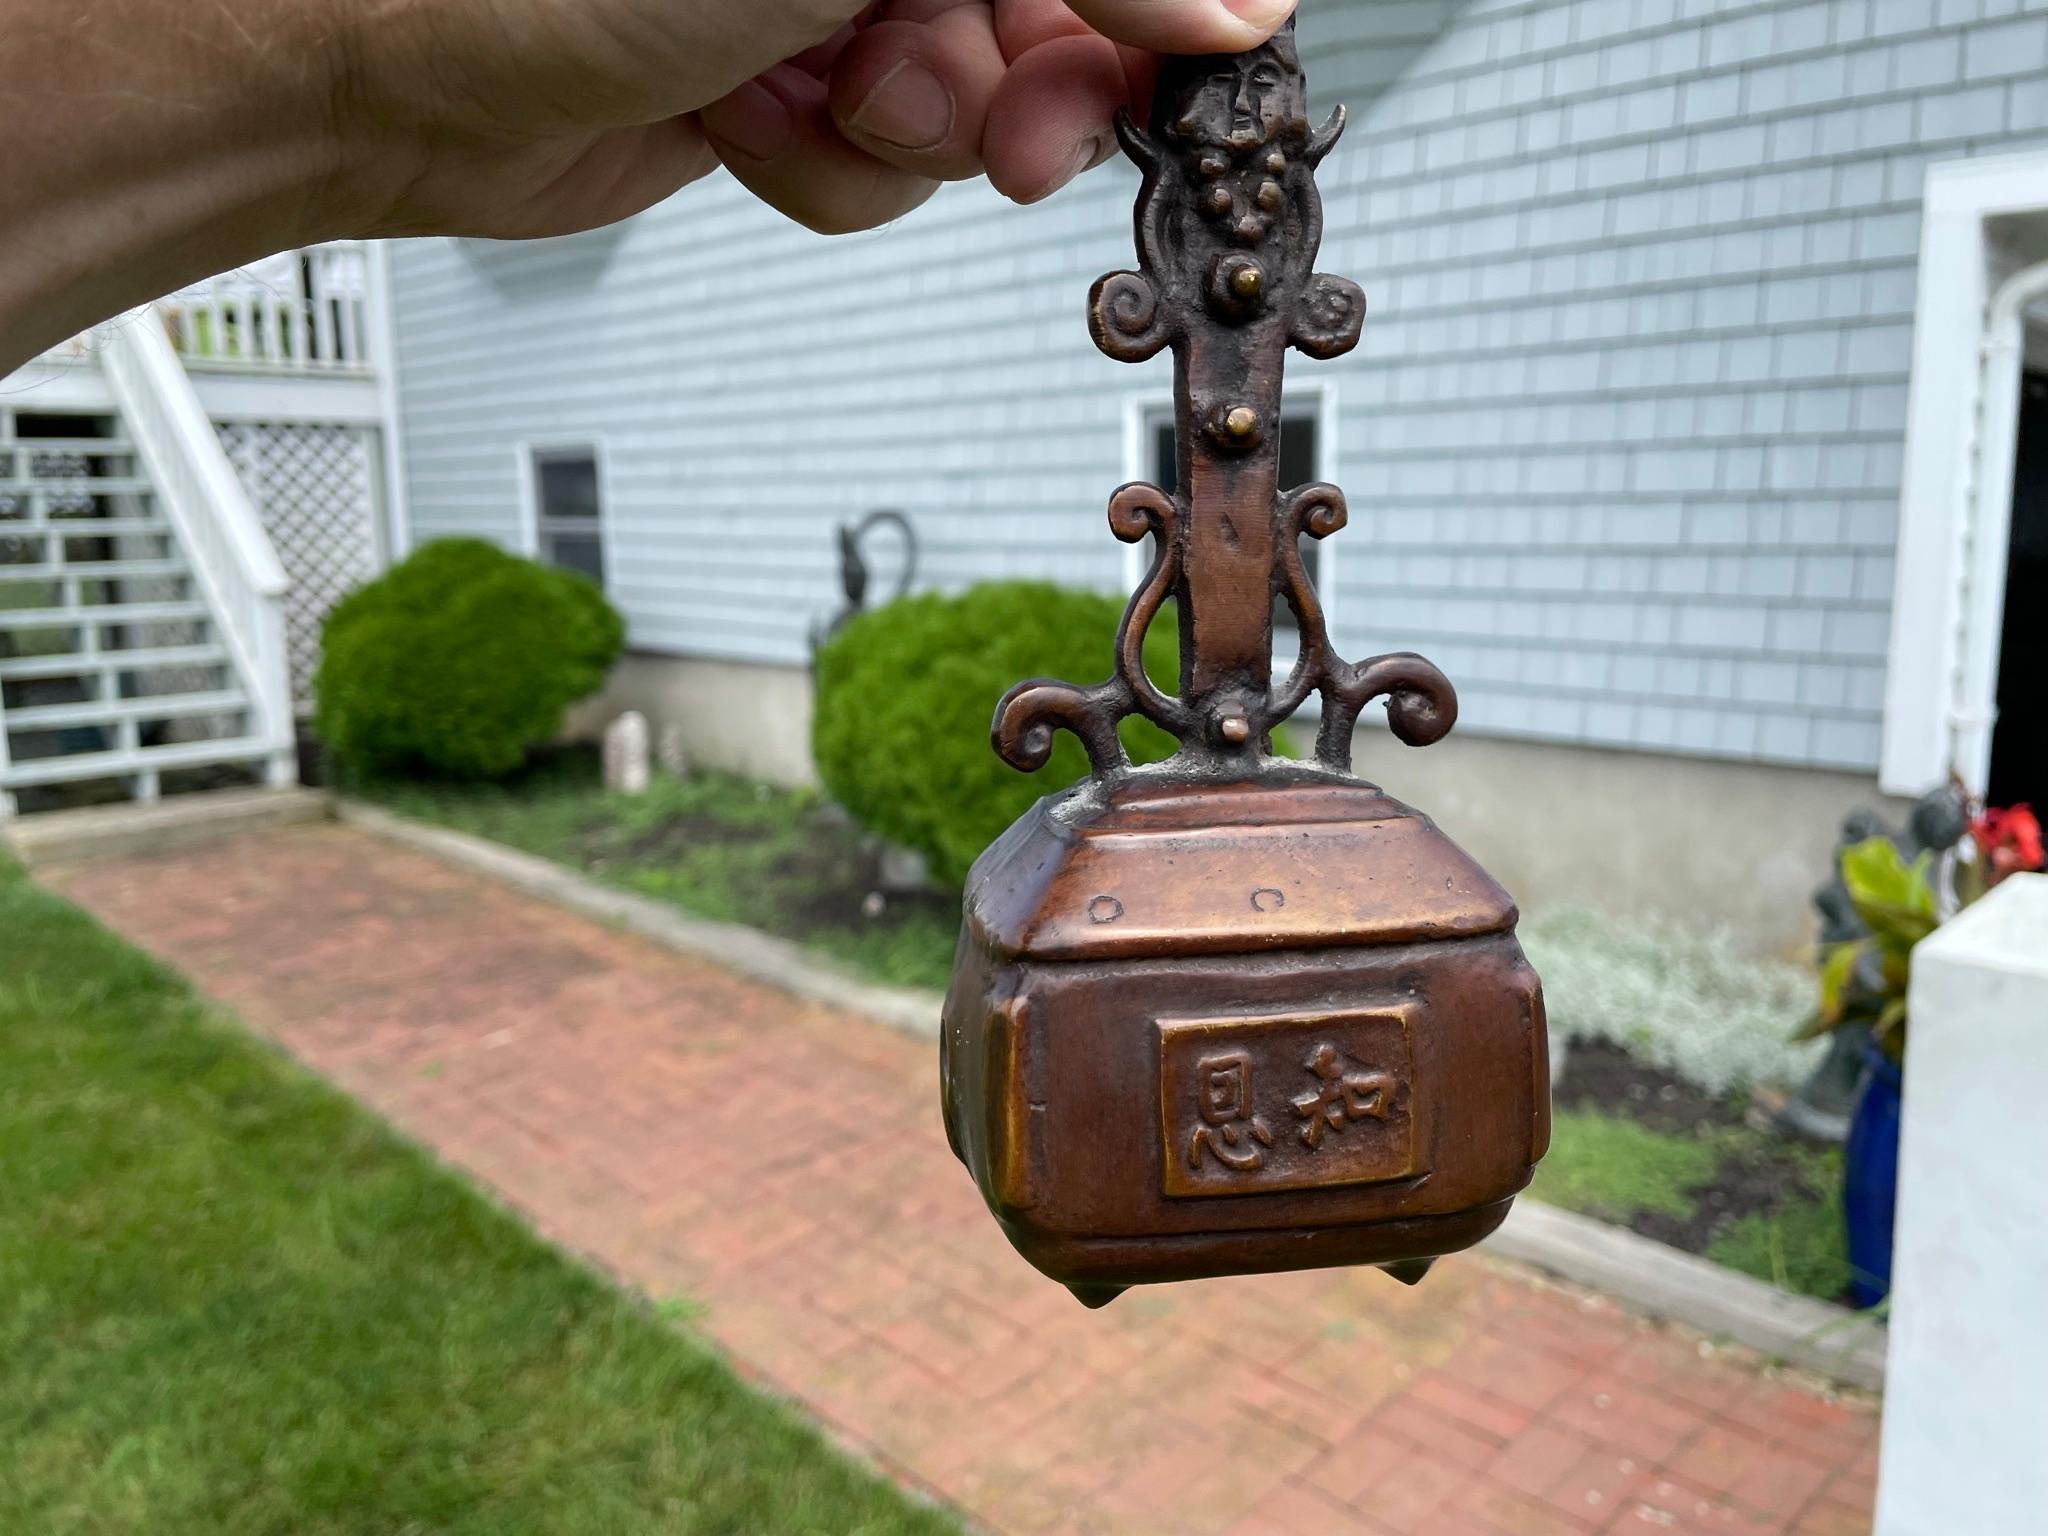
[
  {"x": 232, "y": 1303},
  {"x": 1612, "y": 1168}
]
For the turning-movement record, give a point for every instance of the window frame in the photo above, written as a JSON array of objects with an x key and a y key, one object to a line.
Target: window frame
[
  {"x": 533, "y": 452},
  {"x": 1142, "y": 413}
]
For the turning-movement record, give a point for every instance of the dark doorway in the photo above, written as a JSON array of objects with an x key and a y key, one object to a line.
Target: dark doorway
[{"x": 2019, "y": 742}]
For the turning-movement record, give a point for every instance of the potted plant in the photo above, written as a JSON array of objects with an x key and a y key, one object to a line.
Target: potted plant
[{"x": 1865, "y": 982}]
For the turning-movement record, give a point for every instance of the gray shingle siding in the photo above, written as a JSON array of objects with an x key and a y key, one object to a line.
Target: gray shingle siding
[
  {"x": 1622, "y": 443},
  {"x": 1643, "y": 274}
]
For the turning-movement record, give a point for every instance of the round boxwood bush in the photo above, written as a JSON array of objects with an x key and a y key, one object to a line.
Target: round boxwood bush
[
  {"x": 458, "y": 660},
  {"x": 906, "y": 694}
]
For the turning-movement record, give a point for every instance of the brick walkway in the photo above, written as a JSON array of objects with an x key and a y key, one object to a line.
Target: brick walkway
[{"x": 783, "y": 1167}]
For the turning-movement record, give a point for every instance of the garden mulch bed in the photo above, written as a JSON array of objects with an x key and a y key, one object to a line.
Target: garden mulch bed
[
  {"x": 717, "y": 846},
  {"x": 832, "y": 873}
]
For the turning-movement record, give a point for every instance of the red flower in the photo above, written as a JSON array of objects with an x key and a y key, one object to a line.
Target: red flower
[{"x": 2009, "y": 840}]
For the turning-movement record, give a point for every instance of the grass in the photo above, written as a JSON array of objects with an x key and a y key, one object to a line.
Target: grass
[
  {"x": 1798, "y": 1246},
  {"x": 712, "y": 845},
  {"x": 726, "y": 848},
  {"x": 234, "y": 1302},
  {"x": 1612, "y": 1168},
  {"x": 1622, "y": 1171}
]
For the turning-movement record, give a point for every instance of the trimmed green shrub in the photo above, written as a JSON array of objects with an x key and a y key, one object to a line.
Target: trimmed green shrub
[
  {"x": 458, "y": 660},
  {"x": 906, "y": 694}
]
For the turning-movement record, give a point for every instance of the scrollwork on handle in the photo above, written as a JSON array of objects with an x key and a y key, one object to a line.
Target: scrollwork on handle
[
  {"x": 1134, "y": 511},
  {"x": 1025, "y": 721},
  {"x": 1228, "y": 222},
  {"x": 1317, "y": 510},
  {"x": 1421, "y": 704},
  {"x": 1125, "y": 319}
]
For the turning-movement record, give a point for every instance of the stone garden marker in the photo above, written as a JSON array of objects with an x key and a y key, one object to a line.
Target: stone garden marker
[
  {"x": 672, "y": 752},
  {"x": 626, "y": 765},
  {"x": 1234, "y": 1013}
]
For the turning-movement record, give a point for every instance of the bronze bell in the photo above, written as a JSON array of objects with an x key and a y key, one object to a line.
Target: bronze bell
[{"x": 1233, "y": 1013}]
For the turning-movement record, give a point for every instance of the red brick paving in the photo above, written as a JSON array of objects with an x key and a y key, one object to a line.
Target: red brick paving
[{"x": 782, "y": 1166}]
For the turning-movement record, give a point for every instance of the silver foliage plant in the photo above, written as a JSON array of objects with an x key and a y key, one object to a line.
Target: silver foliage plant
[{"x": 1696, "y": 1004}]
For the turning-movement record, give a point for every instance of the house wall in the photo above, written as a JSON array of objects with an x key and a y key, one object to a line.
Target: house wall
[
  {"x": 1634, "y": 438},
  {"x": 1623, "y": 438},
  {"x": 738, "y": 716},
  {"x": 756, "y": 385},
  {"x": 1622, "y": 441}
]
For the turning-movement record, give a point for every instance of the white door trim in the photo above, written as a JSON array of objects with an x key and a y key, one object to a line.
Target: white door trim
[{"x": 1939, "y": 697}]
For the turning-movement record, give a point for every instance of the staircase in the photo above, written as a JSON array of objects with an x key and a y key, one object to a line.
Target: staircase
[{"x": 141, "y": 625}]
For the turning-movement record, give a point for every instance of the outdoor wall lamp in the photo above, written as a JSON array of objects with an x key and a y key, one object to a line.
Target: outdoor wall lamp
[{"x": 1234, "y": 1013}]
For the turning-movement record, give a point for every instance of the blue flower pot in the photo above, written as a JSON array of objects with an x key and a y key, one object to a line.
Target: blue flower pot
[{"x": 1870, "y": 1178}]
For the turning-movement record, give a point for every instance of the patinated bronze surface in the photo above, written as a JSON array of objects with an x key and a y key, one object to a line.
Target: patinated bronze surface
[{"x": 1233, "y": 1013}]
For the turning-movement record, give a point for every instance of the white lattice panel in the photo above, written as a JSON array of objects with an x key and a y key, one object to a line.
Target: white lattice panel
[{"x": 314, "y": 487}]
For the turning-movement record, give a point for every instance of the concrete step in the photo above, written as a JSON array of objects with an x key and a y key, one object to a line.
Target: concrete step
[{"x": 108, "y": 831}]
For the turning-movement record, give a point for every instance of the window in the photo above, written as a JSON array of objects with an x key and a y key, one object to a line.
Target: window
[
  {"x": 568, "y": 513},
  {"x": 1300, "y": 459}
]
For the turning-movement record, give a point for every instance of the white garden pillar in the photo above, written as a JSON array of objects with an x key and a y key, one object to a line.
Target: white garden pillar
[{"x": 1966, "y": 1390}]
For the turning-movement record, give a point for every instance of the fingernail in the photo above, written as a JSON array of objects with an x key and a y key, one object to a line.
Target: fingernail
[
  {"x": 909, "y": 107},
  {"x": 1265, "y": 15},
  {"x": 752, "y": 120},
  {"x": 1090, "y": 153}
]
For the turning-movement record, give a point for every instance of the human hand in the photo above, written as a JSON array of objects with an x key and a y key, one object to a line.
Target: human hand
[
  {"x": 152, "y": 142},
  {"x": 518, "y": 118}
]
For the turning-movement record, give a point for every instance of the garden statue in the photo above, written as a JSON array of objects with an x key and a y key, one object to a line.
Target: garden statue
[
  {"x": 854, "y": 573},
  {"x": 1233, "y": 1013}
]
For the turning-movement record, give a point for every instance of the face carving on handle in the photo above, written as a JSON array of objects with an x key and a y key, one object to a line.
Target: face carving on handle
[
  {"x": 1239, "y": 123},
  {"x": 1245, "y": 102}
]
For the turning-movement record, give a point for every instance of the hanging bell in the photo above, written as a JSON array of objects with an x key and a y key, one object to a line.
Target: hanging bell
[{"x": 1233, "y": 1013}]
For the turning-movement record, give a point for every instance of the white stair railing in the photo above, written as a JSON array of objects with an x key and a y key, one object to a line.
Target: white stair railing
[
  {"x": 302, "y": 311},
  {"x": 236, "y": 569}
]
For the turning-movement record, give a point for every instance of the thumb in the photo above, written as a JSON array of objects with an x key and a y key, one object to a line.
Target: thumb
[{"x": 1185, "y": 26}]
